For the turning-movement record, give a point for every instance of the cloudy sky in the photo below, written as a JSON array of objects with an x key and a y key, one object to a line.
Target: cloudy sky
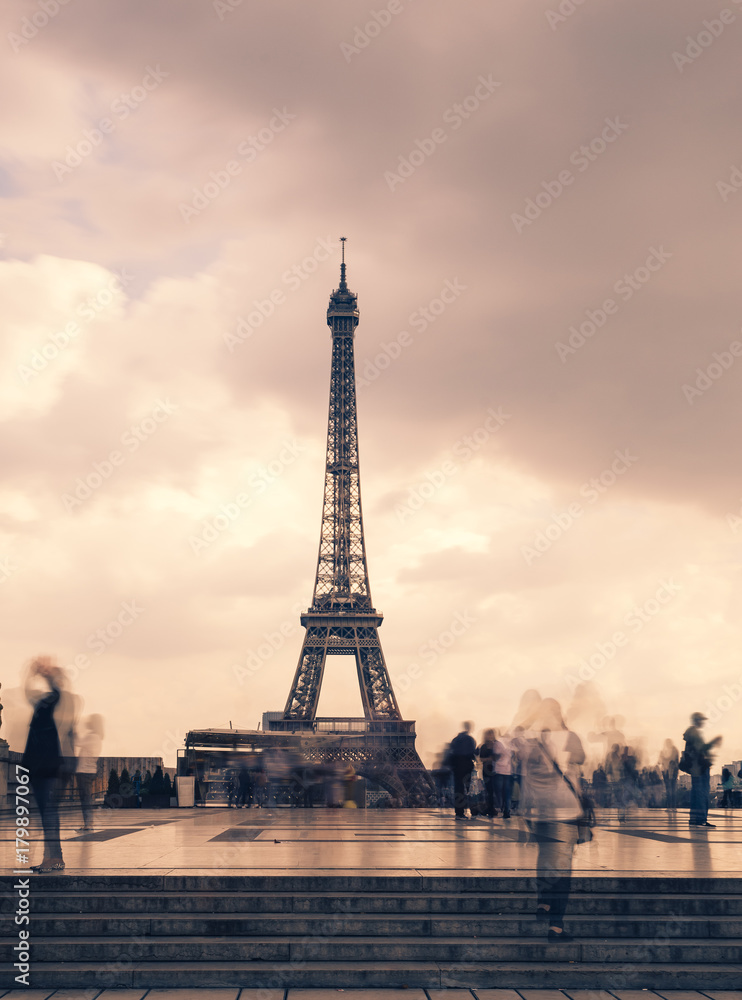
[{"x": 542, "y": 203}]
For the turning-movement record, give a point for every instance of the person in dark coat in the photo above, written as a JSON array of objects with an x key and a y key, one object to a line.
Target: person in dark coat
[
  {"x": 244, "y": 781},
  {"x": 49, "y": 753},
  {"x": 461, "y": 754}
]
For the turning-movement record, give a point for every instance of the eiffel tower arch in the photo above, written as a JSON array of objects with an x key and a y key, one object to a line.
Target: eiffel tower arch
[{"x": 341, "y": 619}]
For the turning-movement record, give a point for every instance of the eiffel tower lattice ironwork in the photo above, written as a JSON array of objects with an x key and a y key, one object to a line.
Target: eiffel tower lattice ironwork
[{"x": 342, "y": 619}]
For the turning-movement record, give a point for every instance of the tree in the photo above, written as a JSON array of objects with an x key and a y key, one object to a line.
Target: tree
[
  {"x": 126, "y": 786},
  {"x": 113, "y": 782},
  {"x": 147, "y": 783},
  {"x": 167, "y": 788}
]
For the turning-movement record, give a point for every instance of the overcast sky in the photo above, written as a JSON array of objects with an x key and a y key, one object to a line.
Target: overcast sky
[{"x": 542, "y": 203}]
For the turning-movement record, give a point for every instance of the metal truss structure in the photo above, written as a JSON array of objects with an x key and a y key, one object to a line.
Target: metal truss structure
[{"x": 342, "y": 619}]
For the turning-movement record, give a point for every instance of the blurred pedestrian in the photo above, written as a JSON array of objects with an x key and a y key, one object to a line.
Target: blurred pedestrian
[
  {"x": 462, "y": 752},
  {"x": 503, "y": 775},
  {"x": 88, "y": 752},
  {"x": 486, "y": 753},
  {"x": 697, "y": 757},
  {"x": 668, "y": 764},
  {"x": 727, "y": 784},
  {"x": 244, "y": 782},
  {"x": 552, "y": 780},
  {"x": 49, "y": 755}
]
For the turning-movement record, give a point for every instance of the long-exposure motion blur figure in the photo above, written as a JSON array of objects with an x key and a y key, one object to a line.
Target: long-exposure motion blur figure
[
  {"x": 49, "y": 754},
  {"x": 552, "y": 755},
  {"x": 462, "y": 751},
  {"x": 88, "y": 752},
  {"x": 668, "y": 765},
  {"x": 697, "y": 760}
]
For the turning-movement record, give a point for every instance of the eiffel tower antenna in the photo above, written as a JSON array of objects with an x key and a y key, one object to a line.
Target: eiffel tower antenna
[{"x": 342, "y": 619}]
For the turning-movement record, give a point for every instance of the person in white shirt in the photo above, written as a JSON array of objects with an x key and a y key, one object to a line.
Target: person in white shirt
[
  {"x": 88, "y": 752},
  {"x": 551, "y": 773}
]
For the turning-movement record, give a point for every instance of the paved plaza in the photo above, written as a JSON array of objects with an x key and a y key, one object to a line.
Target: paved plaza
[{"x": 250, "y": 841}]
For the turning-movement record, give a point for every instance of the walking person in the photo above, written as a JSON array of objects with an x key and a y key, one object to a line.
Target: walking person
[
  {"x": 49, "y": 753},
  {"x": 503, "y": 775},
  {"x": 244, "y": 781},
  {"x": 462, "y": 752},
  {"x": 88, "y": 752},
  {"x": 727, "y": 784},
  {"x": 668, "y": 764},
  {"x": 486, "y": 753},
  {"x": 698, "y": 759},
  {"x": 551, "y": 775}
]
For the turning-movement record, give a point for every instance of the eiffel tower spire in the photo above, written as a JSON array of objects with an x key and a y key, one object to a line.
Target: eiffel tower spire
[{"x": 342, "y": 618}]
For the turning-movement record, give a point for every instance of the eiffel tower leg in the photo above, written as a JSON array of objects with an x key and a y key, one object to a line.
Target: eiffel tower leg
[
  {"x": 376, "y": 688},
  {"x": 304, "y": 695}
]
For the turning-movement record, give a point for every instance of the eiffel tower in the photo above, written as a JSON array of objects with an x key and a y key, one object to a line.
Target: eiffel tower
[{"x": 342, "y": 619}]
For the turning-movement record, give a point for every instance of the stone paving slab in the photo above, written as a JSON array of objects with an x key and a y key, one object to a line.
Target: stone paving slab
[
  {"x": 603, "y": 995},
  {"x": 541, "y": 994},
  {"x": 121, "y": 995},
  {"x": 375, "y": 994},
  {"x": 677, "y": 994},
  {"x": 29, "y": 994},
  {"x": 264, "y": 994},
  {"x": 227, "y": 993},
  {"x": 492, "y": 994},
  {"x": 723, "y": 994},
  {"x": 457, "y": 995}
]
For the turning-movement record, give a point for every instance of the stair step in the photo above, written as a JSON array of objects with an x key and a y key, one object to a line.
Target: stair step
[
  {"x": 411, "y": 949},
  {"x": 371, "y": 925},
  {"x": 149, "y": 902},
  {"x": 559, "y": 974}
]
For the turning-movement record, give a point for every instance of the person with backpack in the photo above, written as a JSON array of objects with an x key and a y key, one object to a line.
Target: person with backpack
[{"x": 696, "y": 761}]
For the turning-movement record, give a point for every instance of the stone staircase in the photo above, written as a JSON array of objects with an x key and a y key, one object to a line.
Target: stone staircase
[{"x": 376, "y": 930}]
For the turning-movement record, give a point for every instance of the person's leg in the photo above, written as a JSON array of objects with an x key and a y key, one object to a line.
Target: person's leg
[
  {"x": 85, "y": 790},
  {"x": 705, "y": 795},
  {"x": 45, "y": 793},
  {"x": 507, "y": 795},
  {"x": 696, "y": 808},
  {"x": 489, "y": 788},
  {"x": 459, "y": 793}
]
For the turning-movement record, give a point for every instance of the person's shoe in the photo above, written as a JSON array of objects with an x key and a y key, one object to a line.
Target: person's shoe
[
  {"x": 712, "y": 825},
  {"x": 542, "y": 912},
  {"x": 460, "y": 817},
  {"x": 51, "y": 866},
  {"x": 555, "y": 935}
]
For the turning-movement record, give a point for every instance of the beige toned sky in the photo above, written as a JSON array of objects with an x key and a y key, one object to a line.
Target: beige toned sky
[{"x": 543, "y": 213}]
